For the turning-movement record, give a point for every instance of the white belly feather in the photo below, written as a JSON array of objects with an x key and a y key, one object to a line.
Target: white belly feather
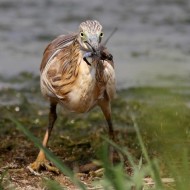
[
  {"x": 85, "y": 92},
  {"x": 81, "y": 98}
]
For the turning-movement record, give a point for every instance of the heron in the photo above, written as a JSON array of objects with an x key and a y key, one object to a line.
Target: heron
[{"x": 77, "y": 72}]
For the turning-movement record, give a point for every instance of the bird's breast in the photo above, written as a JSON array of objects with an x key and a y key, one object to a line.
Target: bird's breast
[{"x": 85, "y": 92}]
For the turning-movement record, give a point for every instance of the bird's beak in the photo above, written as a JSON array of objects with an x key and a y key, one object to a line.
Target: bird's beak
[{"x": 93, "y": 42}]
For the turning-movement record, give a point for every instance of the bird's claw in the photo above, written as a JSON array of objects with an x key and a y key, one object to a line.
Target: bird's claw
[{"x": 37, "y": 165}]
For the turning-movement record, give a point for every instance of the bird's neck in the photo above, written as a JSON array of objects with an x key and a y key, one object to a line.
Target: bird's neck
[{"x": 94, "y": 64}]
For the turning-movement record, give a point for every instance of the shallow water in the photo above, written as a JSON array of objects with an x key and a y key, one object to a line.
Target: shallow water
[{"x": 152, "y": 40}]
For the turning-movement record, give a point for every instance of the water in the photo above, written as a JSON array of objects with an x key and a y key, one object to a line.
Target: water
[{"x": 152, "y": 40}]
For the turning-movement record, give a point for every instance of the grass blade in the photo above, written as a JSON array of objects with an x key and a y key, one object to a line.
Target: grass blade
[
  {"x": 153, "y": 165},
  {"x": 50, "y": 156}
]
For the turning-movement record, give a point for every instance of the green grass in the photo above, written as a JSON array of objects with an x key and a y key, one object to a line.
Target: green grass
[
  {"x": 152, "y": 126},
  {"x": 114, "y": 175},
  {"x": 50, "y": 156}
]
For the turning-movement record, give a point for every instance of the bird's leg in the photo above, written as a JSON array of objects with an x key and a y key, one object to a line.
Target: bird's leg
[
  {"x": 41, "y": 160},
  {"x": 106, "y": 109}
]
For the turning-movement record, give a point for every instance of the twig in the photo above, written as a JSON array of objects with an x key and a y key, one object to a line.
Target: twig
[
  {"x": 149, "y": 181},
  {"x": 32, "y": 171}
]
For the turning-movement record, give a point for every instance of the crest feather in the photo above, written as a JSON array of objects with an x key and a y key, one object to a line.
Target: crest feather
[{"x": 91, "y": 26}]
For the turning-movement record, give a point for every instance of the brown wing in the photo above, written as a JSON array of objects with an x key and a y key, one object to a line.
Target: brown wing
[
  {"x": 59, "y": 43},
  {"x": 59, "y": 66}
]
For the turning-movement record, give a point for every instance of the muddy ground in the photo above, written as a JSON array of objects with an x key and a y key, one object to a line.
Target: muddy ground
[
  {"x": 17, "y": 152},
  {"x": 162, "y": 114}
]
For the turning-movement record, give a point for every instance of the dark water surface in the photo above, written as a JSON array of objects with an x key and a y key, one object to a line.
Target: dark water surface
[{"x": 152, "y": 41}]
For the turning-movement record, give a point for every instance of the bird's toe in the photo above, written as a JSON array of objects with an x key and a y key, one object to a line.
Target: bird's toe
[{"x": 42, "y": 164}]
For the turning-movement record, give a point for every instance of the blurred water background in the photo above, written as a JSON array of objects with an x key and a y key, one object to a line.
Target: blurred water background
[{"x": 152, "y": 40}]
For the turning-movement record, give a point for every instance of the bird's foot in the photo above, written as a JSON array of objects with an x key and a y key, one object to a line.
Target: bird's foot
[{"x": 42, "y": 163}]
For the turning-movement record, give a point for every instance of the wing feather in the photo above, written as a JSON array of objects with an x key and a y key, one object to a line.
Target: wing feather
[{"x": 55, "y": 46}]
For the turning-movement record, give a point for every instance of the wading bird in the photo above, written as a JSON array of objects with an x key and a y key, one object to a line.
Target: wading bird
[{"x": 77, "y": 72}]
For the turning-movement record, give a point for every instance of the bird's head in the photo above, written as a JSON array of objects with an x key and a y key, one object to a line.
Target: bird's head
[{"x": 90, "y": 35}]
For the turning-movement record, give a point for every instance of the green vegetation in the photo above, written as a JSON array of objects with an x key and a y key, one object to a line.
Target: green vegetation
[{"x": 152, "y": 127}]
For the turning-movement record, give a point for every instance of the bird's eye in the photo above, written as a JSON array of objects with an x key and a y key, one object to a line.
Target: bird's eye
[
  {"x": 101, "y": 34},
  {"x": 82, "y": 34}
]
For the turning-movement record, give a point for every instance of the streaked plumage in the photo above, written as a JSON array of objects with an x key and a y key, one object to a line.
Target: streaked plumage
[{"x": 75, "y": 83}]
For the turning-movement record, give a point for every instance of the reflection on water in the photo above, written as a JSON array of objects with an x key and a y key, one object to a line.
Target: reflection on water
[{"x": 152, "y": 37}]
